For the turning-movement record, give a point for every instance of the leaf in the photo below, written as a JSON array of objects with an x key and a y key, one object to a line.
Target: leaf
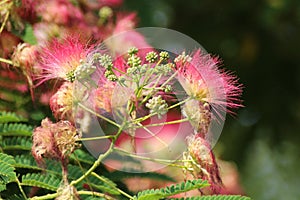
[
  {"x": 119, "y": 175},
  {"x": 6, "y": 117},
  {"x": 7, "y": 171},
  {"x": 26, "y": 161},
  {"x": 172, "y": 190},
  {"x": 16, "y": 142},
  {"x": 15, "y": 197},
  {"x": 82, "y": 156},
  {"x": 49, "y": 181},
  {"x": 28, "y": 35},
  {"x": 103, "y": 184},
  {"x": 15, "y": 129},
  {"x": 74, "y": 172},
  {"x": 215, "y": 197},
  {"x": 2, "y": 188}
]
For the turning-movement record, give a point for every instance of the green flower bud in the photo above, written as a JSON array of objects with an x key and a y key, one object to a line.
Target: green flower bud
[
  {"x": 105, "y": 12},
  {"x": 134, "y": 61},
  {"x": 151, "y": 57},
  {"x": 157, "y": 106},
  {"x": 84, "y": 70},
  {"x": 132, "y": 51},
  {"x": 164, "y": 55},
  {"x": 70, "y": 76},
  {"x": 106, "y": 61},
  {"x": 168, "y": 88}
]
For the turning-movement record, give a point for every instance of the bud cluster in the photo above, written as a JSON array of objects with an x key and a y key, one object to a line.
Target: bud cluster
[{"x": 157, "y": 105}]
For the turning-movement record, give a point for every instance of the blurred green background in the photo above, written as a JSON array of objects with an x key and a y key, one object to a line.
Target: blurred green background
[{"x": 259, "y": 40}]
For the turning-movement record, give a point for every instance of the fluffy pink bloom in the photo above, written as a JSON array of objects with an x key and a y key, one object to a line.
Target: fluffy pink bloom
[
  {"x": 59, "y": 58},
  {"x": 60, "y": 12},
  {"x": 125, "y": 34},
  {"x": 202, "y": 79},
  {"x": 112, "y": 3}
]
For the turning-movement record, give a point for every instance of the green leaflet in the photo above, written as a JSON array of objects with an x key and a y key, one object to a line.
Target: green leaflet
[
  {"x": 49, "y": 181},
  {"x": 28, "y": 35},
  {"x": 16, "y": 143},
  {"x": 216, "y": 197},
  {"x": 119, "y": 175},
  {"x": 171, "y": 190},
  {"x": 15, "y": 129},
  {"x": 7, "y": 171},
  {"x": 82, "y": 156},
  {"x": 6, "y": 117}
]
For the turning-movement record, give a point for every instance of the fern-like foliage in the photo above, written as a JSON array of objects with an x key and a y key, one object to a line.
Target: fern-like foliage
[
  {"x": 7, "y": 171},
  {"x": 49, "y": 182},
  {"x": 82, "y": 156},
  {"x": 216, "y": 197},
  {"x": 120, "y": 175},
  {"x": 171, "y": 190},
  {"x": 15, "y": 129},
  {"x": 103, "y": 184},
  {"x": 6, "y": 117},
  {"x": 26, "y": 161},
  {"x": 16, "y": 143}
]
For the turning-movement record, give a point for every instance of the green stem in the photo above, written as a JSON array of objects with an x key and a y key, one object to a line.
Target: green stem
[
  {"x": 5, "y": 60},
  {"x": 3, "y": 2},
  {"x": 96, "y": 138},
  {"x": 161, "y": 161},
  {"x": 4, "y": 21},
  {"x": 99, "y": 160},
  {"x": 95, "y": 194},
  {"x": 152, "y": 134},
  {"x": 138, "y": 120},
  {"x": 148, "y": 76},
  {"x": 153, "y": 90},
  {"x": 100, "y": 116},
  {"x": 169, "y": 79},
  {"x": 48, "y": 196},
  {"x": 170, "y": 122},
  {"x": 82, "y": 170},
  {"x": 119, "y": 190},
  {"x": 20, "y": 188},
  {"x": 179, "y": 103}
]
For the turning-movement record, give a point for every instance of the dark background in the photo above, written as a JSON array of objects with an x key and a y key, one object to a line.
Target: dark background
[{"x": 259, "y": 40}]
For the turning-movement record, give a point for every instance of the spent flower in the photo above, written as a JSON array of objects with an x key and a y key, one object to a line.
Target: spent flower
[
  {"x": 61, "y": 103},
  {"x": 201, "y": 162},
  {"x": 54, "y": 140}
]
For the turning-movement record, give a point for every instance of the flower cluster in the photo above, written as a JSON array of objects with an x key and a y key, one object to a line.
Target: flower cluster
[
  {"x": 126, "y": 91},
  {"x": 159, "y": 84}
]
